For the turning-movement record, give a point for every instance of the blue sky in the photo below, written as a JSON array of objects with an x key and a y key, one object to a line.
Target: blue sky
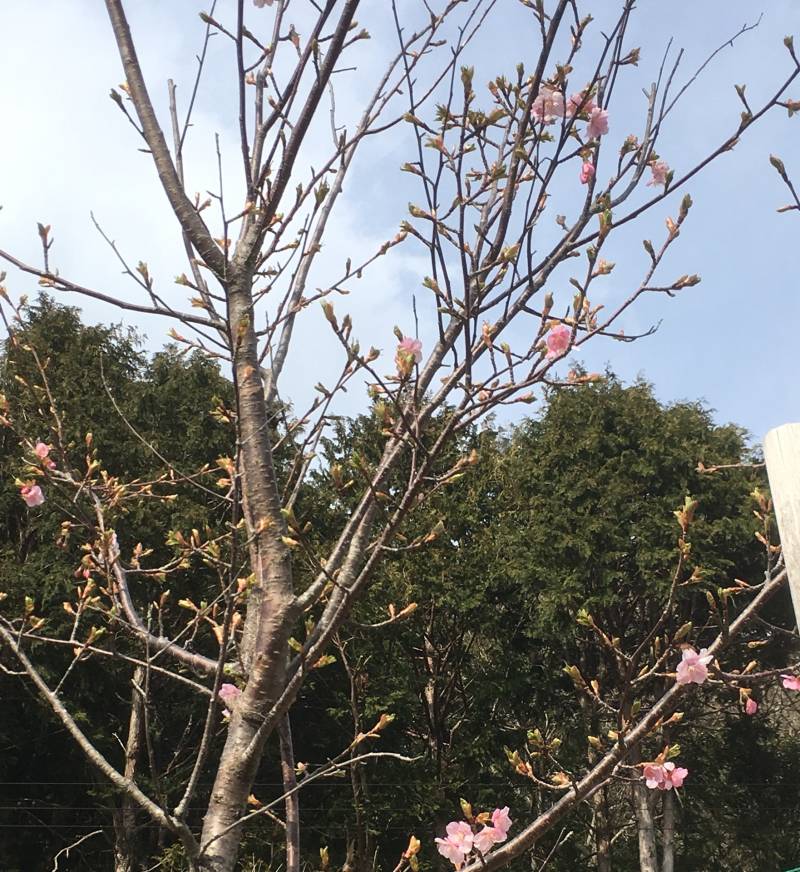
[{"x": 730, "y": 341}]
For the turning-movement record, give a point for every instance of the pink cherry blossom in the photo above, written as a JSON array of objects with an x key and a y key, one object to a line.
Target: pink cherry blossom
[
  {"x": 457, "y": 844},
  {"x": 751, "y": 706},
  {"x": 412, "y": 347},
  {"x": 451, "y": 851},
  {"x": 598, "y": 123},
  {"x": 653, "y": 775},
  {"x": 580, "y": 101},
  {"x": 501, "y": 821},
  {"x": 664, "y": 776},
  {"x": 791, "y": 682},
  {"x": 659, "y": 169},
  {"x": 587, "y": 172},
  {"x": 548, "y": 105},
  {"x": 692, "y": 668},
  {"x": 32, "y": 495},
  {"x": 492, "y": 835},
  {"x": 486, "y": 838},
  {"x": 674, "y": 775},
  {"x": 558, "y": 340},
  {"x": 409, "y": 352}
]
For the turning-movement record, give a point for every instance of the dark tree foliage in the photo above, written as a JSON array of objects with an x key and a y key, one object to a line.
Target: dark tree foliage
[
  {"x": 569, "y": 511},
  {"x": 50, "y": 794},
  {"x": 566, "y": 513}
]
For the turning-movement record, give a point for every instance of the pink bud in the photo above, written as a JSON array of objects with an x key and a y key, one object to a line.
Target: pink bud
[
  {"x": 558, "y": 340},
  {"x": 587, "y": 172},
  {"x": 751, "y": 706}
]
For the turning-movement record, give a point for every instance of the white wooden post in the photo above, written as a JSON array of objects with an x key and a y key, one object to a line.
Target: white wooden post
[{"x": 782, "y": 454}]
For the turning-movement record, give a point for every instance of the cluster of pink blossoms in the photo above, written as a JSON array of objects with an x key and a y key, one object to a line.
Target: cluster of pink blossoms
[
  {"x": 664, "y": 776},
  {"x": 693, "y": 669},
  {"x": 461, "y": 839},
  {"x": 550, "y": 104},
  {"x": 587, "y": 172}
]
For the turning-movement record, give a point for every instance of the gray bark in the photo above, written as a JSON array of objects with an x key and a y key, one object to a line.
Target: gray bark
[
  {"x": 668, "y": 833},
  {"x": 648, "y": 851},
  {"x": 292, "y": 803},
  {"x": 271, "y": 608},
  {"x": 602, "y": 841},
  {"x": 125, "y": 847}
]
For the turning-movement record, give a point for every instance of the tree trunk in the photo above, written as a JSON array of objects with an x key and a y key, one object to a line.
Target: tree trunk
[
  {"x": 668, "y": 833},
  {"x": 599, "y": 800},
  {"x": 362, "y": 853},
  {"x": 125, "y": 847},
  {"x": 360, "y": 848},
  {"x": 602, "y": 840},
  {"x": 292, "y": 802},
  {"x": 648, "y": 851},
  {"x": 271, "y": 608}
]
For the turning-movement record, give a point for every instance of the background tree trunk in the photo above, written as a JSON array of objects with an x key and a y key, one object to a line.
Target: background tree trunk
[
  {"x": 600, "y": 826},
  {"x": 668, "y": 833},
  {"x": 125, "y": 847},
  {"x": 646, "y": 828},
  {"x": 292, "y": 803}
]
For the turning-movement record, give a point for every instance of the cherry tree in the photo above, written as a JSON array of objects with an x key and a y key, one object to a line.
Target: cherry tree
[{"x": 522, "y": 184}]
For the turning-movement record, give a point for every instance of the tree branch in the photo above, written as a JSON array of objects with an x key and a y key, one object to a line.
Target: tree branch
[{"x": 185, "y": 212}]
